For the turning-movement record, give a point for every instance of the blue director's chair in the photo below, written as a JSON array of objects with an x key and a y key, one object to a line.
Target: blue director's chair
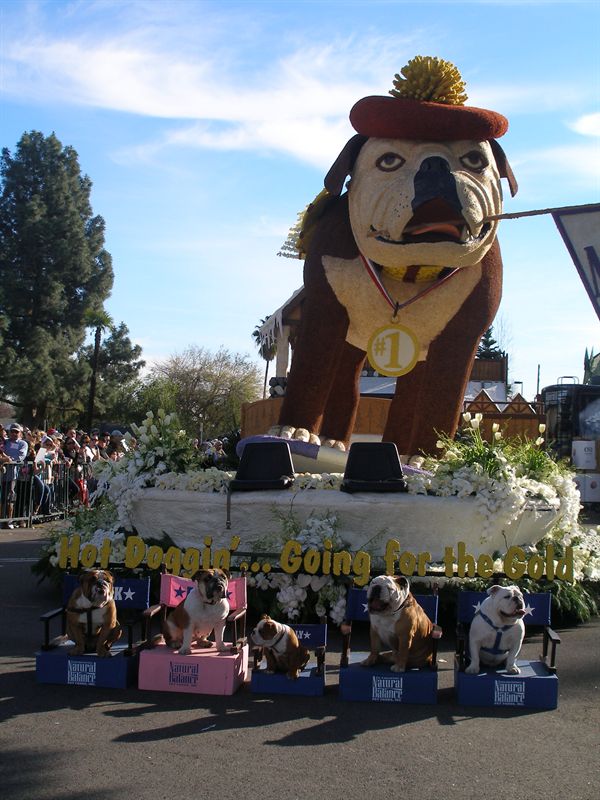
[
  {"x": 54, "y": 664},
  {"x": 536, "y": 686},
  {"x": 311, "y": 681},
  {"x": 379, "y": 683}
]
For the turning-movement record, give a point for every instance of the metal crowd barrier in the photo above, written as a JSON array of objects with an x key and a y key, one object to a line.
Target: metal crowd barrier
[{"x": 31, "y": 494}]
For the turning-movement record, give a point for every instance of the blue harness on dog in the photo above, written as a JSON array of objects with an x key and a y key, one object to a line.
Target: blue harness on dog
[{"x": 496, "y": 650}]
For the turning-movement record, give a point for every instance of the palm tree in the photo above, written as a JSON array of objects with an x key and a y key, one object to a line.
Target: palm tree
[
  {"x": 266, "y": 350},
  {"x": 100, "y": 320}
]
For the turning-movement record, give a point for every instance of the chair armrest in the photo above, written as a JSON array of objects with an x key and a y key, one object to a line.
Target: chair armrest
[
  {"x": 46, "y": 618},
  {"x": 462, "y": 633},
  {"x": 320, "y": 654},
  {"x": 237, "y": 614},
  {"x": 551, "y": 639},
  {"x": 346, "y": 631},
  {"x": 151, "y": 611}
]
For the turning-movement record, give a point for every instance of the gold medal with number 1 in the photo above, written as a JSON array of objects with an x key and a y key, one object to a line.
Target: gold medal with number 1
[{"x": 393, "y": 350}]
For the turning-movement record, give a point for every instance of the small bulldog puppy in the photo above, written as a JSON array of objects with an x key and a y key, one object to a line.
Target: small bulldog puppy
[
  {"x": 398, "y": 623},
  {"x": 204, "y": 609},
  {"x": 281, "y": 647},
  {"x": 93, "y": 600},
  {"x": 497, "y": 630}
]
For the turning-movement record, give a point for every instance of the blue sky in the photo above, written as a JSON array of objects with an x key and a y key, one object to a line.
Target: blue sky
[{"x": 206, "y": 126}]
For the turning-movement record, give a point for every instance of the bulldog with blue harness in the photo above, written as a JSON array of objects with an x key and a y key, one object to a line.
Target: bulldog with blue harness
[{"x": 497, "y": 630}]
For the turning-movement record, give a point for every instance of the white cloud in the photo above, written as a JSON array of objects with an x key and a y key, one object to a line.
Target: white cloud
[{"x": 588, "y": 124}]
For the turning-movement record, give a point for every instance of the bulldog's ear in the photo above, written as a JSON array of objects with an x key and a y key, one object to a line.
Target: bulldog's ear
[
  {"x": 226, "y": 573},
  {"x": 343, "y": 165},
  {"x": 402, "y": 582},
  {"x": 495, "y": 588},
  {"x": 200, "y": 574},
  {"x": 265, "y": 616},
  {"x": 504, "y": 167}
]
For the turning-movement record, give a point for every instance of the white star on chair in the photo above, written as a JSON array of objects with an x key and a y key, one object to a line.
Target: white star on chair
[
  {"x": 365, "y": 607},
  {"x": 529, "y": 610},
  {"x": 128, "y": 595},
  {"x": 476, "y": 607}
]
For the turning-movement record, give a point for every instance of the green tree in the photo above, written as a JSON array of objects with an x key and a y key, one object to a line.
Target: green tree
[
  {"x": 99, "y": 320},
  {"x": 267, "y": 350},
  {"x": 53, "y": 269},
  {"x": 488, "y": 347},
  {"x": 115, "y": 364},
  {"x": 209, "y": 388}
]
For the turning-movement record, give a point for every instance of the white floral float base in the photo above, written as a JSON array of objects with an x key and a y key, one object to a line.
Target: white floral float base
[{"x": 365, "y": 521}]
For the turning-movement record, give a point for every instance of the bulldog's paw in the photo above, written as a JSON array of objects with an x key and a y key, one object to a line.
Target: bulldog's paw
[
  {"x": 103, "y": 652},
  {"x": 185, "y": 651},
  {"x": 472, "y": 669},
  {"x": 77, "y": 651},
  {"x": 293, "y": 675},
  {"x": 222, "y": 648},
  {"x": 397, "y": 668},
  {"x": 512, "y": 669},
  {"x": 369, "y": 661}
]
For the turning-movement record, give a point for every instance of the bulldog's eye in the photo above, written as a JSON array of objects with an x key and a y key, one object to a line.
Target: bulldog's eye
[
  {"x": 389, "y": 162},
  {"x": 474, "y": 160}
]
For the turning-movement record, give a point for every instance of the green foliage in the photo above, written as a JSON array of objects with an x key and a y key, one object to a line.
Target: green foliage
[
  {"x": 208, "y": 389},
  {"x": 53, "y": 269},
  {"x": 488, "y": 347}
]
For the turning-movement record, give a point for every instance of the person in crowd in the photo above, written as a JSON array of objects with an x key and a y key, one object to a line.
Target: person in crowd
[
  {"x": 116, "y": 445},
  {"x": 13, "y": 458}
]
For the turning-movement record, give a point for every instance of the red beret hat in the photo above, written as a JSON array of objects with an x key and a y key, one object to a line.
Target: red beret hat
[{"x": 427, "y": 104}]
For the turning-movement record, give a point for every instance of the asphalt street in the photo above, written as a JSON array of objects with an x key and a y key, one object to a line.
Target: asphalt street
[{"x": 65, "y": 742}]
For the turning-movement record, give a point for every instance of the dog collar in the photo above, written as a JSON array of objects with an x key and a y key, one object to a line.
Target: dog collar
[
  {"x": 402, "y": 604},
  {"x": 416, "y": 274},
  {"x": 373, "y": 272}
]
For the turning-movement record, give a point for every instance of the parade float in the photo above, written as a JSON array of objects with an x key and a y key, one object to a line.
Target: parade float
[{"x": 402, "y": 269}]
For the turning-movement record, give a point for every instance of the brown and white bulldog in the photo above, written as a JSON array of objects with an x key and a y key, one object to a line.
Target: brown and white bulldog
[
  {"x": 93, "y": 600},
  {"x": 281, "y": 647},
  {"x": 204, "y": 609},
  {"x": 398, "y": 623},
  {"x": 497, "y": 630}
]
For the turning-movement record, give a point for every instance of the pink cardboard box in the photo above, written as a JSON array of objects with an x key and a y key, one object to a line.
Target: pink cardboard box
[{"x": 202, "y": 672}]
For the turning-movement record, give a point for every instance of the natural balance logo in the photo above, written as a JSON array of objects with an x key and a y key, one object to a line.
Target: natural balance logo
[
  {"x": 509, "y": 693},
  {"x": 183, "y": 674},
  {"x": 387, "y": 690},
  {"x": 81, "y": 673}
]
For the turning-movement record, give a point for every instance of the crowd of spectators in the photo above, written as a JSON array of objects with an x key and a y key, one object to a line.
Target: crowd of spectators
[{"x": 46, "y": 461}]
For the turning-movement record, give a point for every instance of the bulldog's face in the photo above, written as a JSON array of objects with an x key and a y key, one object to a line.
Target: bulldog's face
[
  {"x": 265, "y": 631},
  {"x": 507, "y": 603},
  {"x": 424, "y": 203},
  {"x": 98, "y": 586},
  {"x": 386, "y": 594},
  {"x": 211, "y": 584}
]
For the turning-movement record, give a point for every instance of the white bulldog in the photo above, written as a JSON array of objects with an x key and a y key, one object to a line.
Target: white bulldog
[{"x": 497, "y": 630}]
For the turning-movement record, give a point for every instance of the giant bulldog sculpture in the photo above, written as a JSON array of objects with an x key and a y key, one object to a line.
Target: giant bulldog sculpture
[{"x": 404, "y": 266}]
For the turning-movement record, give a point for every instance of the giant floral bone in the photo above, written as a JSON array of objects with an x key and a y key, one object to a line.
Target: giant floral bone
[{"x": 404, "y": 266}]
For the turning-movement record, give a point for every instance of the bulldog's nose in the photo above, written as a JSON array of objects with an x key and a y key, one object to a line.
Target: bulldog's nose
[
  {"x": 435, "y": 164},
  {"x": 435, "y": 180}
]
